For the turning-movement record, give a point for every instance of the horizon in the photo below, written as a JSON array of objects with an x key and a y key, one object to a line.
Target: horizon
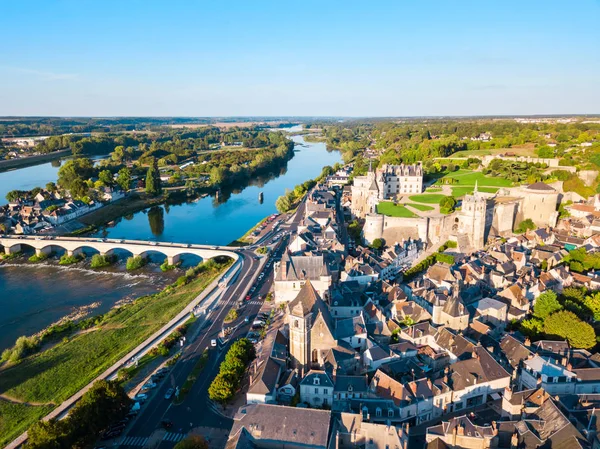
[{"x": 339, "y": 59}]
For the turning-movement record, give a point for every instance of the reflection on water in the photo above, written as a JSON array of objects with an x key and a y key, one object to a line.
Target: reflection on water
[{"x": 222, "y": 218}]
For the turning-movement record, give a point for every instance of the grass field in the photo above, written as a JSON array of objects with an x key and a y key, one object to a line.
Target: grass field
[
  {"x": 469, "y": 177},
  {"x": 427, "y": 198},
  {"x": 54, "y": 375},
  {"x": 15, "y": 418},
  {"x": 421, "y": 207},
  {"x": 460, "y": 191},
  {"x": 388, "y": 208}
]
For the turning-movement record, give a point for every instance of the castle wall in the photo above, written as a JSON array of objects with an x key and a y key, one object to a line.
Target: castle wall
[
  {"x": 541, "y": 208},
  {"x": 504, "y": 217},
  {"x": 550, "y": 162}
]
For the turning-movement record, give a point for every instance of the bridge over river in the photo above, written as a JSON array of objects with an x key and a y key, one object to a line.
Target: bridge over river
[{"x": 74, "y": 246}]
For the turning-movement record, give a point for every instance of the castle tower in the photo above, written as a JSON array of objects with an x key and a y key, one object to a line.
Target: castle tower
[{"x": 472, "y": 219}]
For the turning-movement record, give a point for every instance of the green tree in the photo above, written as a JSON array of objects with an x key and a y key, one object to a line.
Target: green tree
[
  {"x": 218, "y": 175},
  {"x": 525, "y": 226},
  {"x": 378, "y": 244},
  {"x": 447, "y": 204},
  {"x": 153, "y": 185},
  {"x": 283, "y": 204},
  {"x": 565, "y": 324},
  {"x": 222, "y": 388},
  {"x": 546, "y": 304},
  {"x": 106, "y": 177},
  {"x": 124, "y": 179},
  {"x": 192, "y": 442}
]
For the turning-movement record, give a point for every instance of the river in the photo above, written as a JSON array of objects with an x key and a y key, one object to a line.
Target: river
[{"x": 34, "y": 297}]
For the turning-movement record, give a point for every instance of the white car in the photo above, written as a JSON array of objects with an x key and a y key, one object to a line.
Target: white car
[{"x": 213, "y": 343}]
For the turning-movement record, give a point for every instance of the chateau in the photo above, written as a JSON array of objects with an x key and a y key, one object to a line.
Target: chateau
[
  {"x": 387, "y": 182},
  {"x": 480, "y": 215}
]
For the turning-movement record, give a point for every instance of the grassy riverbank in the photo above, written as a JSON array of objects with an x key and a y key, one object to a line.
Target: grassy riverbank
[
  {"x": 243, "y": 240},
  {"x": 50, "y": 377}
]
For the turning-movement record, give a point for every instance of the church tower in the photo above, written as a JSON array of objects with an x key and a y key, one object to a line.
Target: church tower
[{"x": 300, "y": 318}]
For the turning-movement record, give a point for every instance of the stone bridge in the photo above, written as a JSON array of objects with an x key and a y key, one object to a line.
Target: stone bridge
[{"x": 74, "y": 246}]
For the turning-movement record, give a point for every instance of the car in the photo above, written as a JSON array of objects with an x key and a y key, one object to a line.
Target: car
[
  {"x": 258, "y": 323},
  {"x": 149, "y": 385},
  {"x": 163, "y": 371},
  {"x": 213, "y": 343},
  {"x": 169, "y": 393},
  {"x": 260, "y": 297},
  {"x": 248, "y": 297},
  {"x": 166, "y": 423},
  {"x": 257, "y": 326},
  {"x": 247, "y": 319},
  {"x": 141, "y": 397}
]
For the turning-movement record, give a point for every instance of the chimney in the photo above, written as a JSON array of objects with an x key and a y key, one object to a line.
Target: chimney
[
  {"x": 527, "y": 342},
  {"x": 569, "y": 367},
  {"x": 508, "y": 393}
]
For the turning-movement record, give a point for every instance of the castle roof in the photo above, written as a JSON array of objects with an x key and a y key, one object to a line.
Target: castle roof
[
  {"x": 304, "y": 302},
  {"x": 540, "y": 186}
]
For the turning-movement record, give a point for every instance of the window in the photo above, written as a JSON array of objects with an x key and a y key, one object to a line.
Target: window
[
  {"x": 296, "y": 323},
  {"x": 316, "y": 391},
  {"x": 325, "y": 391},
  {"x": 378, "y": 412},
  {"x": 390, "y": 413}
]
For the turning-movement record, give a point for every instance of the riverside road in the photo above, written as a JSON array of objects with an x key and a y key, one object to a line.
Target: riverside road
[{"x": 197, "y": 410}]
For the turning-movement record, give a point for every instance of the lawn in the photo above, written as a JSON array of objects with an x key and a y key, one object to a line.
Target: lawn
[
  {"x": 54, "y": 375},
  {"x": 16, "y": 418},
  {"x": 460, "y": 191},
  {"x": 526, "y": 150},
  {"x": 469, "y": 177},
  {"x": 421, "y": 207},
  {"x": 388, "y": 208},
  {"x": 427, "y": 198}
]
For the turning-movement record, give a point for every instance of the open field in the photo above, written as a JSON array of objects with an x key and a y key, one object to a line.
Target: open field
[
  {"x": 469, "y": 177},
  {"x": 421, "y": 207},
  {"x": 427, "y": 198},
  {"x": 388, "y": 208},
  {"x": 54, "y": 375}
]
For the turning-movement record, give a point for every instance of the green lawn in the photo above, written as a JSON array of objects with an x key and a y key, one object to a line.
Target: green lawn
[
  {"x": 16, "y": 418},
  {"x": 469, "y": 177},
  {"x": 54, "y": 375},
  {"x": 388, "y": 208},
  {"x": 427, "y": 198},
  {"x": 460, "y": 191},
  {"x": 421, "y": 207}
]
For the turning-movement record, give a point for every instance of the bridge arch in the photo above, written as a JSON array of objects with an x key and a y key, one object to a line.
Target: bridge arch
[{"x": 117, "y": 251}]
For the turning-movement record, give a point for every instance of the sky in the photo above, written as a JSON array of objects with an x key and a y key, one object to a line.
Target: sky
[{"x": 309, "y": 58}]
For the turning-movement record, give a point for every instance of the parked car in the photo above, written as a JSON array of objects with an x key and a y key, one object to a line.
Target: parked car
[
  {"x": 141, "y": 397},
  {"x": 169, "y": 393},
  {"x": 149, "y": 386},
  {"x": 213, "y": 343},
  {"x": 166, "y": 423}
]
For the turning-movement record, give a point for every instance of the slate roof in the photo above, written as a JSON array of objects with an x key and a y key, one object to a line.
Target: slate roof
[
  {"x": 514, "y": 350},
  {"x": 280, "y": 425},
  {"x": 540, "y": 186},
  {"x": 305, "y": 300}
]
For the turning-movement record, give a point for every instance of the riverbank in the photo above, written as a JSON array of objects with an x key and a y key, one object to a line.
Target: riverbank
[
  {"x": 10, "y": 164},
  {"x": 45, "y": 379}
]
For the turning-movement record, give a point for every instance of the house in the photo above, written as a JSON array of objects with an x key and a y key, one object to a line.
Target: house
[
  {"x": 279, "y": 427},
  {"x": 316, "y": 389}
]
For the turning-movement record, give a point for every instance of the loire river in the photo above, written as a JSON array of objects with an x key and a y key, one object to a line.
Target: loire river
[{"x": 33, "y": 297}]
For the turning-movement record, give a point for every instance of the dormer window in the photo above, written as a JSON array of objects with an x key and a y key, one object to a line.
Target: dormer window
[
  {"x": 316, "y": 381},
  {"x": 378, "y": 412}
]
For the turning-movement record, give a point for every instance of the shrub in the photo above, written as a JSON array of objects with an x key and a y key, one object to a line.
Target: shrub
[
  {"x": 135, "y": 263},
  {"x": 35, "y": 258},
  {"x": 447, "y": 204},
  {"x": 100, "y": 261},
  {"x": 525, "y": 226},
  {"x": 22, "y": 348},
  {"x": 231, "y": 371},
  {"x": 166, "y": 267},
  {"x": 232, "y": 315},
  {"x": 546, "y": 304},
  {"x": 69, "y": 260}
]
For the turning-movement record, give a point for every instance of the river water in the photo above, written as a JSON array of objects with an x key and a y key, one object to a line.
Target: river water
[{"x": 33, "y": 297}]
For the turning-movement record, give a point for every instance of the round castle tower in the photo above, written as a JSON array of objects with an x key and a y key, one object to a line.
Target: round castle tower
[{"x": 373, "y": 228}]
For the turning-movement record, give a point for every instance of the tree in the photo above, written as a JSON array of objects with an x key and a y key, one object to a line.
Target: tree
[
  {"x": 546, "y": 304},
  {"x": 124, "y": 179},
  {"x": 377, "y": 244},
  {"x": 525, "y": 226},
  {"x": 218, "y": 175},
  {"x": 192, "y": 442},
  {"x": 51, "y": 187},
  {"x": 222, "y": 388},
  {"x": 565, "y": 324},
  {"x": 106, "y": 177},
  {"x": 447, "y": 204},
  {"x": 283, "y": 204},
  {"x": 153, "y": 185}
]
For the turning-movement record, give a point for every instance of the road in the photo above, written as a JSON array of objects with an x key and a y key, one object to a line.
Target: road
[{"x": 197, "y": 410}]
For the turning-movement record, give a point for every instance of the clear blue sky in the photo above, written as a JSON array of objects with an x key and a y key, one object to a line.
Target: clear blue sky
[{"x": 252, "y": 57}]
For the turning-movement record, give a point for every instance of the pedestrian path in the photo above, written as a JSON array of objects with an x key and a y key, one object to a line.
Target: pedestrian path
[
  {"x": 134, "y": 441},
  {"x": 174, "y": 437}
]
